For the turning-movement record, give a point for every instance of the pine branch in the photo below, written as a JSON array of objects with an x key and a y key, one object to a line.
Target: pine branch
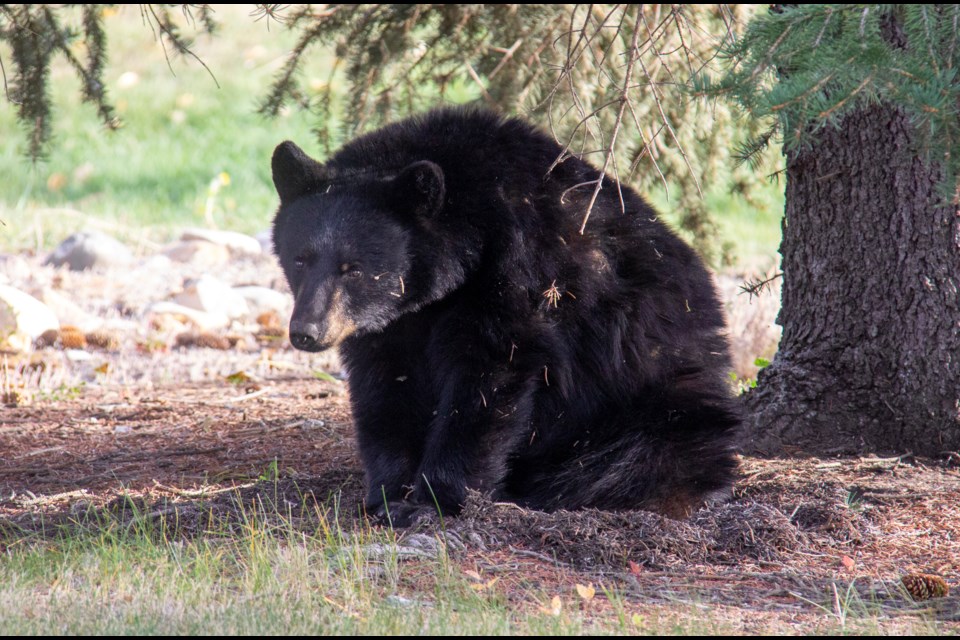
[
  {"x": 6, "y": 88},
  {"x": 269, "y": 13},
  {"x": 633, "y": 57},
  {"x": 669, "y": 127},
  {"x": 754, "y": 288},
  {"x": 832, "y": 59},
  {"x": 170, "y": 33},
  {"x": 600, "y": 87}
]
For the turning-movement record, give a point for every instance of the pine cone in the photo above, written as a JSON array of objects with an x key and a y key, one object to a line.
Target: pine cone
[
  {"x": 923, "y": 586},
  {"x": 72, "y": 338}
]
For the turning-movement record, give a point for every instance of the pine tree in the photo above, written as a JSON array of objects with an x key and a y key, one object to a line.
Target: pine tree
[
  {"x": 866, "y": 101},
  {"x": 604, "y": 79}
]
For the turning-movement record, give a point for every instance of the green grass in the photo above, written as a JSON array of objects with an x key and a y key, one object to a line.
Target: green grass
[
  {"x": 180, "y": 132},
  {"x": 748, "y": 230},
  {"x": 261, "y": 579},
  {"x": 263, "y": 573}
]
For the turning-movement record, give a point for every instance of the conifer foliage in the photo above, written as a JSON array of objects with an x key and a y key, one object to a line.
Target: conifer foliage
[
  {"x": 605, "y": 79},
  {"x": 801, "y": 68},
  {"x": 36, "y": 33}
]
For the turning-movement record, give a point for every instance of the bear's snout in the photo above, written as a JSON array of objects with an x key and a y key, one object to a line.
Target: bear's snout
[
  {"x": 304, "y": 335},
  {"x": 314, "y": 329}
]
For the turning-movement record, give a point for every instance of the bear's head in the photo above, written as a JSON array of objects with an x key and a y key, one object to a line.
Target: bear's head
[{"x": 353, "y": 244}]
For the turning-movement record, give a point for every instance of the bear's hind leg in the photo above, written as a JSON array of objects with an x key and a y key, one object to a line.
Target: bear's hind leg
[{"x": 654, "y": 457}]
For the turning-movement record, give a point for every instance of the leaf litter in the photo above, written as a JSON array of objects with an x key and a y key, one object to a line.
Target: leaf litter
[{"x": 191, "y": 461}]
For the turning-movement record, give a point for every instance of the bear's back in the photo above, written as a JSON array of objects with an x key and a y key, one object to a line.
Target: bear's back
[{"x": 614, "y": 292}]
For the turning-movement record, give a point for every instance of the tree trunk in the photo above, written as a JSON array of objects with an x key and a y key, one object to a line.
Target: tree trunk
[{"x": 870, "y": 354}]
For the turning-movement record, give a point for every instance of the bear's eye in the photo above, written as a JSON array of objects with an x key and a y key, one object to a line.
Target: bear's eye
[
  {"x": 350, "y": 270},
  {"x": 299, "y": 263}
]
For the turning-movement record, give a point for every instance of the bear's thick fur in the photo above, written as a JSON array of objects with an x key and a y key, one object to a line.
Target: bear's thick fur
[{"x": 488, "y": 344}]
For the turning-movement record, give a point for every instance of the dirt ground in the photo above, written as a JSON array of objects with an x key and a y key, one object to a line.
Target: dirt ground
[
  {"x": 800, "y": 537},
  {"x": 153, "y": 422}
]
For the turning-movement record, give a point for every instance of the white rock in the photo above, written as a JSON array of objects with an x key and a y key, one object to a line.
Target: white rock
[
  {"x": 236, "y": 242},
  {"x": 67, "y": 311},
  {"x": 15, "y": 268},
  {"x": 261, "y": 299},
  {"x": 88, "y": 249},
  {"x": 128, "y": 79},
  {"x": 23, "y": 318},
  {"x": 209, "y": 294},
  {"x": 199, "y": 252},
  {"x": 156, "y": 263},
  {"x": 265, "y": 238},
  {"x": 200, "y": 319}
]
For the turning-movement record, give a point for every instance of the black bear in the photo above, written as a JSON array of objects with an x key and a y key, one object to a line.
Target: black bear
[{"x": 491, "y": 345}]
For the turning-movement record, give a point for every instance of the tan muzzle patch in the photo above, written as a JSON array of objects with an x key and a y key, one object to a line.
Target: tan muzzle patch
[{"x": 339, "y": 326}]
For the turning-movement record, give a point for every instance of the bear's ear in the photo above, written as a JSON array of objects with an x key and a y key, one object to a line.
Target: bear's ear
[
  {"x": 294, "y": 172},
  {"x": 420, "y": 188}
]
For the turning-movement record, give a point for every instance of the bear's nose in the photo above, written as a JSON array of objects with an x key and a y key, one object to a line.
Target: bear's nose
[{"x": 304, "y": 335}]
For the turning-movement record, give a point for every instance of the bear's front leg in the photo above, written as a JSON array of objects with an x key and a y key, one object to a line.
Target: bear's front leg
[
  {"x": 480, "y": 421},
  {"x": 392, "y": 415},
  {"x": 391, "y": 437}
]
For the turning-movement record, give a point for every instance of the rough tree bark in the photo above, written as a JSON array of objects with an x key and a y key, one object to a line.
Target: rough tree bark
[{"x": 870, "y": 354}]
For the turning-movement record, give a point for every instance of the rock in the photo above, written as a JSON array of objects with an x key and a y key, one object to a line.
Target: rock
[
  {"x": 88, "y": 249},
  {"x": 199, "y": 252},
  {"x": 77, "y": 355},
  {"x": 263, "y": 299},
  {"x": 156, "y": 263},
  {"x": 209, "y": 294},
  {"x": 200, "y": 319},
  {"x": 232, "y": 240},
  {"x": 16, "y": 269},
  {"x": 23, "y": 318},
  {"x": 67, "y": 311},
  {"x": 265, "y": 238}
]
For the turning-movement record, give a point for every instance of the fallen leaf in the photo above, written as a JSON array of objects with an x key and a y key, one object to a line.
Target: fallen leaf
[
  {"x": 586, "y": 593},
  {"x": 326, "y": 377},
  {"x": 238, "y": 378},
  {"x": 12, "y": 398},
  {"x": 270, "y": 320},
  {"x": 485, "y": 585},
  {"x": 556, "y": 605}
]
